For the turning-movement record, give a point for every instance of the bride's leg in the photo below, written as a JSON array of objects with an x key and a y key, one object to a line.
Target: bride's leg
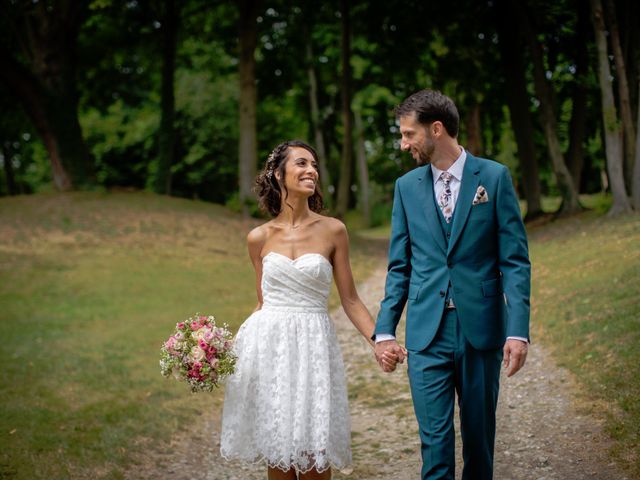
[
  {"x": 277, "y": 474},
  {"x": 315, "y": 475}
]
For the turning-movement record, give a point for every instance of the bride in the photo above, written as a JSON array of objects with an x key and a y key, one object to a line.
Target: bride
[{"x": 286, "y": 404}]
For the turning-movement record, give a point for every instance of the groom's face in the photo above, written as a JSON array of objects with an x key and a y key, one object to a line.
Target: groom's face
[{"x": 416, "y": 139}]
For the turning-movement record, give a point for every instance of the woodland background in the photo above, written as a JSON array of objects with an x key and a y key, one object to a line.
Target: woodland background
[{"x": 187, "y": 98}]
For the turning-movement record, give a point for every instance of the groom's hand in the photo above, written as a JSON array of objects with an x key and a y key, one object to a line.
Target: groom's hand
[
  {"x": 388, "y": 354},
  {"x": 514, "y": 355}
]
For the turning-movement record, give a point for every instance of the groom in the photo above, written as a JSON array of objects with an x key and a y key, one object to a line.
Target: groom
[{"x": 458, "y": 255}]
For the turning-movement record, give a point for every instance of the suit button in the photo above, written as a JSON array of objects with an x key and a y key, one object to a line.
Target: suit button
[
  {"x": 449, "y": 264},
  {"x": 442, "y": 293},
  {"x": 448, "y": 234}
]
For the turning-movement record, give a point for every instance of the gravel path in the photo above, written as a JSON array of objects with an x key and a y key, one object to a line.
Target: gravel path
[{"x": 541, "y": 435}]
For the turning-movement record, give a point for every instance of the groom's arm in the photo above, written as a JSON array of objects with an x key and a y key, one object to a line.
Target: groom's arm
[
  {"x": 513, "y": 258},
  {"x": 398, "y": 272}
]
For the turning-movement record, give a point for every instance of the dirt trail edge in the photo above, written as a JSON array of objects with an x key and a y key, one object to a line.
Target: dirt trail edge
[{"x": 540, "y": 434}]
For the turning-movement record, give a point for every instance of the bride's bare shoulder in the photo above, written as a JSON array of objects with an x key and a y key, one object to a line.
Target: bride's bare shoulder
[
  {"x": 259, "y": 235},
  {"x": 333, "y": 225}
]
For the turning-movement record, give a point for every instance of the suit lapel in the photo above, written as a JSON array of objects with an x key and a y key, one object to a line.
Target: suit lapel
[
  {"x": 470, "y": 182},
  {"x": 426, "y": 201}
]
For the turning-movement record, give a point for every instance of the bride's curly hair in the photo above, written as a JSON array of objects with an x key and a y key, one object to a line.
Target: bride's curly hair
[{"x": 270, "y": 190}]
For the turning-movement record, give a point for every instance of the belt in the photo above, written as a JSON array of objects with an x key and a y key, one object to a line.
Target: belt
[{"x": 449, "y": 305}]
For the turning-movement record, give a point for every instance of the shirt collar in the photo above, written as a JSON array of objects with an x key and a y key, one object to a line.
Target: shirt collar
[{"x": 455, "y": 169}]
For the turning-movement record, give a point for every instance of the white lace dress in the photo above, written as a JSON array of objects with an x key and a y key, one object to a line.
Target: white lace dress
[{"x": 286, "y": 404}]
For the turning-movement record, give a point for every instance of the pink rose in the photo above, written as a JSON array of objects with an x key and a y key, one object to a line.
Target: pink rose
[
  {"x": 203, "y": 320},
  {"x": 169, "y": 344},
  {"x": 195, "y": 325},
  {"x": 180, "y": 325},
  {"x": 212, "y": 350},
  {"x": 214, "y": 363},
  {"x": 197, "y": 365},
  {"x": 203, "y": 344},
  {"x": 208, "y": 336}
]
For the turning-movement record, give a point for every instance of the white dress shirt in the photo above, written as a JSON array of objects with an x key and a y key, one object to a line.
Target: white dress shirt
[{"x": 456, "y": 170}]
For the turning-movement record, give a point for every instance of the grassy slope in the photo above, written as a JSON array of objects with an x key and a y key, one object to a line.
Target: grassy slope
[
  {"x": 92, "y": 283},
  {"x": 91, "y": 286},
  {"x": 586, "y": 308}
]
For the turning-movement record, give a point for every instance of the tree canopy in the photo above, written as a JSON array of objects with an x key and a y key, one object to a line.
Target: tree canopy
[{"x": 189, "y": 97}]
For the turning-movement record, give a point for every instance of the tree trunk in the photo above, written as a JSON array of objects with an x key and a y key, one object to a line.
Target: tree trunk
[
  {"x": 248, "y": 145},
  {"x": 629, "y": 135},
  {"x": 363, "y": 170},
  {"x": 26, "y": 88},
  {"x": 611, "y": 125},
  {"x": 577, "y": 124},
  {"x": 570, "y": 202},
  {"x": 518, "y": 101},
  {"x": 8, "y": 170},
  {"x": 472, "y": 124},
  {"x": 47, "y": 88},
  {"x": 166, "y": 142},
  {"x": 316, "y": 124},
  {"x": 635, "y": 187},
  {"x": 346, "y": 163}
]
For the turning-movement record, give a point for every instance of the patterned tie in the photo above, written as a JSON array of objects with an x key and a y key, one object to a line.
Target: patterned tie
[{"x": 444, "y": 200}]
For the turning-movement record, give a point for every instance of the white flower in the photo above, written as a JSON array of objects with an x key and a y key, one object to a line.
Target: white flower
[
  {"x": 197, "y": 354},
  {"x": 200, "y": 333}
]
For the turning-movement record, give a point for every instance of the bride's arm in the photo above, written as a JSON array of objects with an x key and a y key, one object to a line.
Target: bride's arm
[
  {"x": 255, "y": 242},
  {"x": 351, "y": 302}
]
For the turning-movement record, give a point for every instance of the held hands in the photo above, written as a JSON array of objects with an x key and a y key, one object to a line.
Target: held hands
[
  {"x": 514, "y": 355},
  {"x": 388, "y": 354}
]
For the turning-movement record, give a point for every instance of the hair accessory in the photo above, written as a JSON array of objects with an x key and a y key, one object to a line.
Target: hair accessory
[{"x": 271, "y": 163}]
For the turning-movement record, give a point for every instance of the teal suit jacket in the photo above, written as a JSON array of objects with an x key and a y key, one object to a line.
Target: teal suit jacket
[{"x": 486, "y": 259}]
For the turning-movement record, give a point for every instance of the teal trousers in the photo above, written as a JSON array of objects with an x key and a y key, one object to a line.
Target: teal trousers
[{"x": 450, "y": 365}]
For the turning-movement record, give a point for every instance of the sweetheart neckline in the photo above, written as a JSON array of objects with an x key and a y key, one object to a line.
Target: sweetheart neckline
[{"x": 294, "y": 260}]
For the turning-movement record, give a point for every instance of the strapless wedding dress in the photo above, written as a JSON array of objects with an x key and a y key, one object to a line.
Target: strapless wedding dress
[{"x": 286, "y": 404}]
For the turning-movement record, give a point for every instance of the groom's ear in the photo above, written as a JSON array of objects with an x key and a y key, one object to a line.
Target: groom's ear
[{"x": 437, "y": 128}]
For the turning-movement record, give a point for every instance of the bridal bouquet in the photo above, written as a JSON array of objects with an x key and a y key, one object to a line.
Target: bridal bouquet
[{"x": 199, "y": 353}]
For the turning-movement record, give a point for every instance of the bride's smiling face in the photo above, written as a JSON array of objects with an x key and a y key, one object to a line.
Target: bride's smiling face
[{"x": 300, "y": 172}]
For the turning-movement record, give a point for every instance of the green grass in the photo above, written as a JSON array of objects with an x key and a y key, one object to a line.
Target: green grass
[
  {"x": 91, "y": 284},
  {"x": 586, "y": 307}
]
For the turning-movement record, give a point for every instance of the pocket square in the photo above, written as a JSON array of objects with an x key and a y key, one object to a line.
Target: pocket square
[{"x": 481, "y": 196}]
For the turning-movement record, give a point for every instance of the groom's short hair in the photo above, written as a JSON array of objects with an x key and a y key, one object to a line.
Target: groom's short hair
[{"x": 430, "y": 106}]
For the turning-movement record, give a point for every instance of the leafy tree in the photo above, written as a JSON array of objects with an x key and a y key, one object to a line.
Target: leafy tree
[{"x": 38, "y": 66}]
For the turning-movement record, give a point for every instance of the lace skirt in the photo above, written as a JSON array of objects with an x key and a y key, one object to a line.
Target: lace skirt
[{"x": 286, "y": 404}]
